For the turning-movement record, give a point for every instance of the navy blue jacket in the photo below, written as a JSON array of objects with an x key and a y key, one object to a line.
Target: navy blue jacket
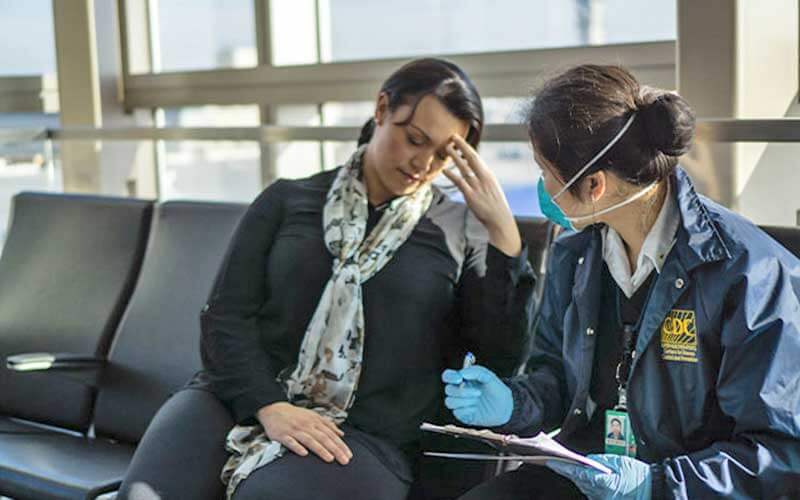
[{"x": 714, "y": 390}]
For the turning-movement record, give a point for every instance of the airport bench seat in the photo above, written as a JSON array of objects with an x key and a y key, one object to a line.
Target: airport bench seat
[{"x": 154, "y": 351}]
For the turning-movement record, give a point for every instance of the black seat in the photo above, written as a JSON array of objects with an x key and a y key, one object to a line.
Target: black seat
[
  {"x": 59, "y": 466},
  {"x": 67, "y": 270},
  {"x": 537, "y": 233},
  {"x": 788, "y": 236},
  {"x": 154, "y": 352}
]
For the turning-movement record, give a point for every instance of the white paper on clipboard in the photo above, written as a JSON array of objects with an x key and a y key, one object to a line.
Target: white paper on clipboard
[{"x": 537, "y": 449}]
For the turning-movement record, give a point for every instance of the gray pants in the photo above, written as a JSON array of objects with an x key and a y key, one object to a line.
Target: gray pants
[
  {"x": 293, "y": 477},
  {"x": 182, "y": 453}
]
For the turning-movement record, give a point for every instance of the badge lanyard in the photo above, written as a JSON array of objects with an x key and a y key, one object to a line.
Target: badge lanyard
[
  {"x": 630, "y": 333},
  {"x": 619, "y": 438}
]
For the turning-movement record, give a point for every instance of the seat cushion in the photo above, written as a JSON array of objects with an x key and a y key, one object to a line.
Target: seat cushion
[{"x": 59, "y": 466}]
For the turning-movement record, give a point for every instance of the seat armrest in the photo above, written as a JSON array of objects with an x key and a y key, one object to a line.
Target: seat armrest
[{"x": 85, "y": 369}]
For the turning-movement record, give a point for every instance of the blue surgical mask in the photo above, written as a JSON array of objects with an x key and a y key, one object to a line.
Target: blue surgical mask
[
  {"x": 550, "y": 209},
  {"x": 554, "y": 213}
]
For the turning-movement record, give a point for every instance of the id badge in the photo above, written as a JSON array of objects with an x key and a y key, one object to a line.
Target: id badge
[{"x": 619, "y": 438}]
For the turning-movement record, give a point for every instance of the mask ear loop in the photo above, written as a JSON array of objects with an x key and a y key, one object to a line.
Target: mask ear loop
[
  {"x": 606, "y": 210},
  {"x": 651, "y": 203}
]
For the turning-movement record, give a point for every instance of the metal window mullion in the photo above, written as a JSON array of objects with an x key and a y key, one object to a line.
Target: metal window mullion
[
  {"x": 157, "y": 114},
  {"x": 268, "y": 153},
  {"x": 154, "y": 40},
  {"x": 318, "y": 57},
  {"x": 322, "y": 154},
  {"x": 140, "y": 49},
  {"x": 124, "y": 58},
  {"x": 159, "y": 151}
]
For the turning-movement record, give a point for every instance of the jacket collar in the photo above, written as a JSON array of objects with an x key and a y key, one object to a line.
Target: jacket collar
[
  {"x": 698, "y": 240},
  {"x": 703, "y": 242}
]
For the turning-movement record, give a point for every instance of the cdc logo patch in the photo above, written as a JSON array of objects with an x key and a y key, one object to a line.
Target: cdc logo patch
[{"x": 679, "y": 336}]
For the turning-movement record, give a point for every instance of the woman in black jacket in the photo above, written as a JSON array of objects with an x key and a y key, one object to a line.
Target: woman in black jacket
[{"x": 344, "y": 295}]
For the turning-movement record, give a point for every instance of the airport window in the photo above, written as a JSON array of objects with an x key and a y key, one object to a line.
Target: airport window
[
  {"x": 212, "y": 116},
  {"x": 344, "y": 114},
  {"x": 212, "y": 170},
  {"x": 26, "y": 36},
  {"x": 220, "y": 171},
  {"x": 512, "y": 162},
  {"x": 293, "y": 30},
  {"x": 205, "y": 34},
  {"x": 358, "y": 30},
  {"x": 297, "y": 159}
]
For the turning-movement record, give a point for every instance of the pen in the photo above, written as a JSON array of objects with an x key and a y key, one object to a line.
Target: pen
[{"x": 469, "y": 360}]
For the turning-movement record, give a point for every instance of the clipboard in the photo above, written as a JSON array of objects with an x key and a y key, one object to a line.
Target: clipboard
[{"x": 538, "y": 449}]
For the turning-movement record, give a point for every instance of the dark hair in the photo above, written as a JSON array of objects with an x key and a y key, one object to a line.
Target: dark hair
[
  {"x": 575, "y": 115},
  {"x": 435, "y": 77}
]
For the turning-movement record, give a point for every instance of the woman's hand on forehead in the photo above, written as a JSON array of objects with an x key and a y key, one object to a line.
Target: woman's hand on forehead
[{"x": 484, "y": 196}]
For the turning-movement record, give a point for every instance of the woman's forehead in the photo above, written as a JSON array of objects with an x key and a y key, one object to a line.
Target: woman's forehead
[{"x": 434, "y": 120}]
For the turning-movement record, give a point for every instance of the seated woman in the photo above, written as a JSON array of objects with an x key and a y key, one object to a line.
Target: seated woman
[
  {"x": 345, "y": 294},
  {"x": 670, "y": 326}
]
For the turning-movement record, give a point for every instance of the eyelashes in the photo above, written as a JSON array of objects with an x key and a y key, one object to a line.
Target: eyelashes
[{"x": 416, "y": 142}]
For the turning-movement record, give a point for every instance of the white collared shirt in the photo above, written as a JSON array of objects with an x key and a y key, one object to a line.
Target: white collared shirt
[{"x": 656, "y": 247}]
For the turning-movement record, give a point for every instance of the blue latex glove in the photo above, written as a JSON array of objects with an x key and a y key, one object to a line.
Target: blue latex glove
[
  {"x": 477, "y": 396},
  {"x": 630, "y": 479}
]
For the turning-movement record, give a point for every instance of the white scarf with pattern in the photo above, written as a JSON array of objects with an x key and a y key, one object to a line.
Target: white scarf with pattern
[{"x": 328, "y": 367}]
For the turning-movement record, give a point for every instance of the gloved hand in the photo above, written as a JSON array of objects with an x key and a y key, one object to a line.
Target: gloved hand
[
  {"x": 630, "y": 479},
  {"x": 477, "y": 397}
]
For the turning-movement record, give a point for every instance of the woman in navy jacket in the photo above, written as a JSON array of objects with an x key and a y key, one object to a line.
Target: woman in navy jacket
[{"x": 663, "y": 308}]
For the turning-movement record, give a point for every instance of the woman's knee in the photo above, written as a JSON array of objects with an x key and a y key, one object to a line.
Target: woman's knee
[
  {"x": 183, "y": 449},
  {"x": 292, "y": 477}
]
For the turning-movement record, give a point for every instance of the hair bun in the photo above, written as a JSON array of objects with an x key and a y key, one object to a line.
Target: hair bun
[{"x": 668, "y": 121}]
